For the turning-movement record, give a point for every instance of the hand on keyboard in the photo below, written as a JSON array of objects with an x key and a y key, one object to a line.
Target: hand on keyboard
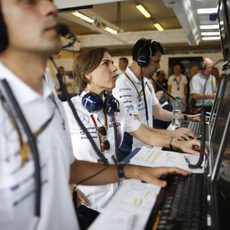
[
  {"x": 195, "y": 117},
  {"x": 190, "y": 146},
  {"x": 183, "y": 134},
  {"x": 155, "y": 175}
]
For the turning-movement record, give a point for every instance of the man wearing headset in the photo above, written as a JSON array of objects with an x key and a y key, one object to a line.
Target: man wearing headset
[
  {"x": 28, "y": 37},
  {"x": 136, "y": 92},
  {"x": 203, "y": 85}
]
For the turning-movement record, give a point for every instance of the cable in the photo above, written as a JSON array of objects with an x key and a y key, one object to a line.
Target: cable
[
  {"x": 202, "y": 146},
  {"x": 11, "y": 101},
  {"x": 170, "y": 95},
  {"x": 202, "y": 133},
  {"x": 70, "y": 103}
]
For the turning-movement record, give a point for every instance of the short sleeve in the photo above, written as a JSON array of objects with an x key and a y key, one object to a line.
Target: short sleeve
[
  {"x": 170, "y": 80},
  {"x": 126, "y": 93},
  {"x": 185, "y": 81},
  {"x": 153, "y": 94},
  {"x": 131, "y": 122},
  {"x": 195, "y": 85}
]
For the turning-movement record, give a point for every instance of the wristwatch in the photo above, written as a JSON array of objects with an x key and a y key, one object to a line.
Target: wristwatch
[{"x": 120, "y": 170}]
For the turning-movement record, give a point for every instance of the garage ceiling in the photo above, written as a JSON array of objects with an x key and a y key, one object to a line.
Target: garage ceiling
[{"x": 181, "y": 24}]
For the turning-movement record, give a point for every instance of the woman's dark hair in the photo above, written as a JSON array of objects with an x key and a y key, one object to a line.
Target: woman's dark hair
[
  {"x": 85, "y": 63},
  {"x": 3, "y": 32}
]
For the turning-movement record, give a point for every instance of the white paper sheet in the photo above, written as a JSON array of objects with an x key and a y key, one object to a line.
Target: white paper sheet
[
  {"x": 129, "y": 208},
  {"x": 155, "y": 157}
]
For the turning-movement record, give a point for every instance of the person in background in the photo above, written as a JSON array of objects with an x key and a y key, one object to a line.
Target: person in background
[
  {"x": 69, "y": 83},
  {"x": 135, "y": 90},
  {"x": 162, "y": 98},
  {"x": 203, "y": 86},
  {"x": 177, "y": 85},
  {"x": 161, "y": 79},
  {"x": 123, "y": 62},
  {"x": 23, "y": 60},
  {"x": 194, "y": 70},
  {"x": 97, "y": 74}
]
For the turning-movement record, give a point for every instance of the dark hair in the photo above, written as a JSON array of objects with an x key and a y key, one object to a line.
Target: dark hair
[
  {"x": 124, "y": 59},
  {"x": 153, "y": 45},
  {"x": 85, "y": 63},
  {"x": 3, "y": 32}
]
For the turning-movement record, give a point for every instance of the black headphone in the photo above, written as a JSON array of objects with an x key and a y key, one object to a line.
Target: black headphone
[
  {"x": 93, "y": 102},
  {"x": 3, "y": 34},
  {"x": 144, "y": 53},
  {"x": 202, "y": 66}
]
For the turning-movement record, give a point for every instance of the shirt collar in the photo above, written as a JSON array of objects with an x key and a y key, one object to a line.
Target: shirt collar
[
  {"x": 22, "y": 91},
  {"x": 132, "y": 76}
]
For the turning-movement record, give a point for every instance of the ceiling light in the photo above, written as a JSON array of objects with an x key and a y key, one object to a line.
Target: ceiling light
[
  {"x": 207, "y": 11},
  {"x": 211, "y": 38},
  {"x": 143, "y": 11},
  {"x": 210, "y": 33},
  {"x": 83, "y": 17},
  {"x": 209, "y": 27},
  {"x": 110, "y": 30},
  {"x": 158, "y": 26}
]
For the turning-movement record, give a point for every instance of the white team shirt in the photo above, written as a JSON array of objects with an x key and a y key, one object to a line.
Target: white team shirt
[
  {"x": 126, "y": 92},
  {"x": 17, "y": 185},
  {"x": 83, "y": 150},
  {"x": 197, "y": 85}
]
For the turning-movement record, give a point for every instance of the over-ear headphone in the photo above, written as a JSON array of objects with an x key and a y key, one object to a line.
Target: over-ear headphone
[
  {"x": 93, "y": 102},
  {"x": 202, "y": 66},
  {"x": 3, "y": 33},
  {"x": 144, "y": 53}
]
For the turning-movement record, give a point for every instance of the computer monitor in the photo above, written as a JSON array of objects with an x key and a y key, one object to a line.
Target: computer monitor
[
  {"x": 220, "y": 123},
  {"x": 216, "y": 104},
  {"x": 223, "y": 19}
]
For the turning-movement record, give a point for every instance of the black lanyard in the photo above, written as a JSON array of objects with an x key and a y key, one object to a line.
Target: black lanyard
[{"x": 139, "y": 95}]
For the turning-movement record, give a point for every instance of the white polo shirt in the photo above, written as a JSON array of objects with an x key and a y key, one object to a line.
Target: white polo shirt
[
  {"x": 17, "y": 186},
  {"x": 133, "y": 98},
  {"x": 197, "y": 85},
  {"x": 83, "y": 150}
]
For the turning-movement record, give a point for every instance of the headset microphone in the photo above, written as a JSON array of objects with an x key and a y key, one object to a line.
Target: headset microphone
[{"x": 64, "y": 31}]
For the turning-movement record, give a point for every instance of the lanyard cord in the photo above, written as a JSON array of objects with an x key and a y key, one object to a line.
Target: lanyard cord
[
  {"x": 96, "y": 127},
  {"x": 178, "y": 81},
  {"x": 8, "y": 96},
  {"x": 25, "y": 146},
  {"x": 116, "y": 136},
  {"x": 139, "y": 95},
  {"x": 145, "y": 100},
  {"x": 78, "y": 120}
]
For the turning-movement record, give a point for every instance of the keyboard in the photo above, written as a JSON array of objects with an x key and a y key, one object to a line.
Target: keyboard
[
  {"x": 195, "y": 127},
  {"x": 184, "y": 203}
]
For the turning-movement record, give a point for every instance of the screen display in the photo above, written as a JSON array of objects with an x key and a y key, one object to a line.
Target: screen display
[
  {"x": 216, "y": 105},
  {"x": 224, "y": 171},
  {"x": 220, "y": 121},
  {"x": 224, "y": 27}
]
